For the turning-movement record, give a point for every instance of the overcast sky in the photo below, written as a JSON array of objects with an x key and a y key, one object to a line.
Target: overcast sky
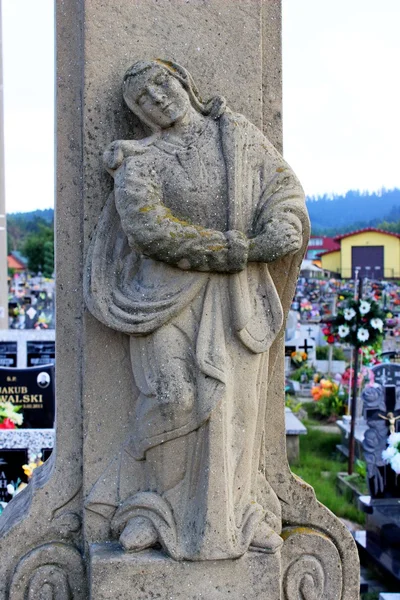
[{"x": 341, "y": 96}]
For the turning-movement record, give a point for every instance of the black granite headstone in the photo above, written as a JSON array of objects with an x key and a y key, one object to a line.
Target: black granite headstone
[
  {"x": 381, "y": 406},
  {"x": 391, "y": 355},
  {"x": 387, "y": 374},
  {"x": 11, "y": 462},
  {"x": 289, "y": 350},
  {"x": 46, "y": 453},
  {"x": 33, "y": 389},
  {"x": 40, "y": 353},
  {"x": 8, "y": 354}
]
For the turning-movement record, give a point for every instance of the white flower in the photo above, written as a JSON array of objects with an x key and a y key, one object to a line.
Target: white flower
[
  {"x": 395, "y": 463},
  {"x": 377, "y": 324},
  {"x": 394, "y": 439},
  {"x": 349, "y": 313},
  {"x": 11, "y": 489},
  {"x": 365, "y": 307},
  {"x": 343, "y": 330},
  {"x": 8, "y": 411},
  {"x": 389, "y": 453},
  {"x": 363, "y": 334}
]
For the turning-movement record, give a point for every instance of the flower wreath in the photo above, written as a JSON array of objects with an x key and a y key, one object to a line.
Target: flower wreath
[{"x": 358, "y": 322}]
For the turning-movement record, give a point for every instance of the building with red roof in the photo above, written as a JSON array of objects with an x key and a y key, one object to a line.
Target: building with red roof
[
  {"x": 17, "y": 262},
  {"x": 372, "y": 252}
]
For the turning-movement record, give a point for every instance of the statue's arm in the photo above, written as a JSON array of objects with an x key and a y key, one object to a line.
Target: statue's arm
[
  {"x": 152, "y": 229},
  {"x": 281, "y": 218}
]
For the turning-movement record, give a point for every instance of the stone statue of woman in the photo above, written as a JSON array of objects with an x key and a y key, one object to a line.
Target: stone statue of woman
[{"x": 180, "y": 262}]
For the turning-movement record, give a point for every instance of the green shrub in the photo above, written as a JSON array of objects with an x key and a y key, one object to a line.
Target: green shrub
[
  {"x": 322, "y": 353},
  {"x": 303, "y": 373}
]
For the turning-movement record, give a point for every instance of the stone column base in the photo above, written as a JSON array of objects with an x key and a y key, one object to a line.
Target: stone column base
[{"x": 115, "y": 574}]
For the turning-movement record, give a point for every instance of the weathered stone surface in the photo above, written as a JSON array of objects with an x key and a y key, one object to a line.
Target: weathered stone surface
[
  {"x": 149, "y": 574},
  {"x": 179, "y": 261},
  {"x": 233, "y": 49}
]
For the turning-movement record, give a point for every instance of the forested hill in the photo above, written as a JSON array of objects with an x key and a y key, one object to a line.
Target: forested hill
[
  {"x": 21, "y": 225},
  {"x": 329, "y": 216},
  {"x": 354, "y": 210}
]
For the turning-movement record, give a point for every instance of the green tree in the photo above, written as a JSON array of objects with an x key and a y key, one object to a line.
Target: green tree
[
  {"x": 48, "y": 266},
  {"x": 34, "y": 249}
]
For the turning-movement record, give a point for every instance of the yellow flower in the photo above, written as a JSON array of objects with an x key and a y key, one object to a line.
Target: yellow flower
[{"x": 28, "y": 469}]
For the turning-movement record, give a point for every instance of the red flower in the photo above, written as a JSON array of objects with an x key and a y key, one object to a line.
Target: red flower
[
  {"x": 326, "y": 331},
  {"x": 7, "y": 424},
  {"x": 331, "y": 339}
]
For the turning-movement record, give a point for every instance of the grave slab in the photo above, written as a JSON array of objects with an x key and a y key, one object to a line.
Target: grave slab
[
  {"x": 294, "y": 428},
  {"x": 34, "y": 440}
]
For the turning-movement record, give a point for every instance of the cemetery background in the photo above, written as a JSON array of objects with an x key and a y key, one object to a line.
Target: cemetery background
[{"x": 317, "y": 379}]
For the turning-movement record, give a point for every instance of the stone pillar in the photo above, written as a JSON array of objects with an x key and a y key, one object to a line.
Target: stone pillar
[
  {"x": 48, "y": 540},
  {"x": 3, "y": 221}
]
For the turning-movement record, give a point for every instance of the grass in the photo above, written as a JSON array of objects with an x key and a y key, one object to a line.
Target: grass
[{"x": 319, "y": 465}]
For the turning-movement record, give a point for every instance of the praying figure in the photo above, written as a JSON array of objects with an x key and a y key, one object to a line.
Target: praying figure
[{"x": 179, "y": 262}]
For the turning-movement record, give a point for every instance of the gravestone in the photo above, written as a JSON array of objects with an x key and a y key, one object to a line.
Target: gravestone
[
  {"x": 387, "y": 374},
  {"x": 8, "y": 354},
  {"x": 40, "y": 353},
  {"x": 382, "y": 413},
  {"x": 69, "y": 534},
  {"x": 381, "y": 538},
  {"x": 391, "y": 356},
  {"x": 11, "y": 472},
  {"x": 33, "y": 390}
]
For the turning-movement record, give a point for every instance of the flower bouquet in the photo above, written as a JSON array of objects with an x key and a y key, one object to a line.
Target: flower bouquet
[
  {"x": 330, "y": 400},
  {"x": 298, "y": 358},
  {"x": 392, "y": 453},
  {"x": 10, "y": 417},
  {"x": 358, "y": 322}
]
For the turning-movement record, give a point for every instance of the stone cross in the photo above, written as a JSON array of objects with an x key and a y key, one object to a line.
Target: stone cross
[{"x": 187, "y": 229}]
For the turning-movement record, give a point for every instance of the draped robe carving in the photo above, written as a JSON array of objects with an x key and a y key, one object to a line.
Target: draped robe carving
[{"x": 164, "y": 268}]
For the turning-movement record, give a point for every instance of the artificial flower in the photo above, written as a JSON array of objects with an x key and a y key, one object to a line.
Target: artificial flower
[
  {"x": 11, "y": 489},
  {"x": 349, "y": 313},
  {"x": 326, "y": 384},
  {"x": 365, "y": 307},
  {"x": 7, "y": 424},
  {"x": 343, "y": 330},
  {"x": 388, "y": 453},
  {"x": 363, "y": 334},
  {"x": 377, "y": 324},
  {"x": 395, "y": 463},
  {"x": 330, "y": 339},
  {"x": 394, "y": 439}
]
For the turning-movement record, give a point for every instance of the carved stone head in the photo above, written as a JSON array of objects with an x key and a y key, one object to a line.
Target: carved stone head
[{"x": 161, "y": 93}]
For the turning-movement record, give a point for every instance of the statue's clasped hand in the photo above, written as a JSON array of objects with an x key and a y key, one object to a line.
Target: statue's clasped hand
[{"x": 279, "y": 238}]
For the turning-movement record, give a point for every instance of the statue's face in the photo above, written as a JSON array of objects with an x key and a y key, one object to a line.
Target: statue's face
[{"x": 160, "y": 97}]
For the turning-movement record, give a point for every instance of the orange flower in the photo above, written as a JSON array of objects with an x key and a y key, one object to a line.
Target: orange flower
[{"x": 326, "y": 384}]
